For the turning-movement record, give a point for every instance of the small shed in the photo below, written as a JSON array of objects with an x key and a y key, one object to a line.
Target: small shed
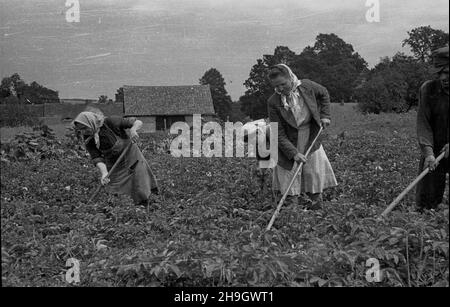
[{"x": 158, "y": 107}]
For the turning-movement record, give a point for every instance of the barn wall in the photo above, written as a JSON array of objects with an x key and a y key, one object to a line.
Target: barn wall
[
  {"x": 148, "y": 124},
  {"x": 189, "y": 120},
  {"x": 209, "y": 118},
  {"x": 205, "y": 118}
]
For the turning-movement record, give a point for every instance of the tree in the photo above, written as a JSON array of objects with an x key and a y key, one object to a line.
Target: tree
[
  {"x": 222, "y": 101},
  {"x": 103, "y": 99},
  {"x": 254, "y": 101},
  {"x": 281, "y": 55},
  {"x": 423, "y": 40},
  {"x": 236, "y": 114},
  {"x": 33, "y": 93},
  {"x": 333, "y": 63},
  {"x": 414, "y": 73},
  {"x": 385, "y": 91},
  {"x": 12, "y": 86}
]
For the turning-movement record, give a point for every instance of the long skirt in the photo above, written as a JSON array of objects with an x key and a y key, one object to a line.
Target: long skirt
[
  {"x": 316, "y": 175},
  {"x": 133, "y": 176}
]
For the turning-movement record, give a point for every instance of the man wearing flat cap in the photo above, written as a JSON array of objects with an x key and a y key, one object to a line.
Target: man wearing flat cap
[{"x": 433, "y": 132}]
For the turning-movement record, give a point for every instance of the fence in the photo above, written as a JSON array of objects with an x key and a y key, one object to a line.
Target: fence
[{"x": 52, "y": 113}]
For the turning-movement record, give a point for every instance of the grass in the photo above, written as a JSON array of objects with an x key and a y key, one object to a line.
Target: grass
[{"x": 345, "y": 118}]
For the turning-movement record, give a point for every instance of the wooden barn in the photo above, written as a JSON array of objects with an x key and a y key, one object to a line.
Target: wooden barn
[{"x": 158, "y": 107}]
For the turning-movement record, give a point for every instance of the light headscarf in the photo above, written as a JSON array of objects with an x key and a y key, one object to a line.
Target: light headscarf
[
  {"x": 289, "y": 101},
  {"x": 93, "y": 121}
]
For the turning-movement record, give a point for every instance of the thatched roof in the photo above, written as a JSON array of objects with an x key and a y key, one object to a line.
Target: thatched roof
[{"x": 167, "y": 100}]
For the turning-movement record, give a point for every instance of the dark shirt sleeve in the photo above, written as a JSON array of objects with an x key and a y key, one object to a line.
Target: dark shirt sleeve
[
  {"x": 94, "y": 152},
  {"x": 283, "y": 142},
  {"x": 424, "y": 129},
  {"x": 322, "y": 98},
  {"x": 127, "y": 122},
  {"x": 120, "y": 123}
]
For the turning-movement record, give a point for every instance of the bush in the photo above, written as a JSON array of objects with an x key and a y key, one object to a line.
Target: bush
[
  {"x": 39, "y": 145},
  {"x": 385, "y": 92},
  {"x": 414, "y": 73}
]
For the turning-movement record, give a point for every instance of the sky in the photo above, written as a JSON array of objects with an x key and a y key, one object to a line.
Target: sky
[{"x": 173, "y": 42}]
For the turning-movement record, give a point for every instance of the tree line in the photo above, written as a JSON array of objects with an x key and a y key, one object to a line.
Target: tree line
[
  {"x": 391, "y": 86},
  {"x": 15, "y": 90}
]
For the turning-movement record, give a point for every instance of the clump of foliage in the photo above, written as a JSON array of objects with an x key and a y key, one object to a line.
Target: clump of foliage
[
  {"x": 393, "y": 85},
  {"x": 335, "y": 64},
  {"x": 39, "y": 145},
  {"x": 221, "y": 100},
  {"x": 384, "y": 92},
  {"x": 331, "y": 62}
]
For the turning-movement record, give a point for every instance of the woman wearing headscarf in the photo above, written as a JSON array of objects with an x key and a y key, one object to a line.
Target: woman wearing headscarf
[
  {"x": 300, "y": 108},
  {"x": 105, "y": 139}
]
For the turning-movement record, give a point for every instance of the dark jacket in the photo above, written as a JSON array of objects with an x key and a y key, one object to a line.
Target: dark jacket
[
  {"x": 112, "y": 129},
  {"x": 318, "y": 100},
  {"x": 432, "y": 118}
]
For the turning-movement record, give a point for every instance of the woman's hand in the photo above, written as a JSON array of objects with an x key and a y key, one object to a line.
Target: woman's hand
[
  {"x": 134, "y": 135},
  {"x": 104, "y": 180},
  {"x": 133, "y": 131},
  {"x": 300, "y": 158},
  {"x": 104, "y": 171},
  {"x": 430, "y": 162},
  {"x": 325, "y": 122}
]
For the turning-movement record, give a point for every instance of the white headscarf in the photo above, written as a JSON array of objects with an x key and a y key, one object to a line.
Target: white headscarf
[
  {"x": 289, "y": 101},
  {"x": 93, "y": 121}
]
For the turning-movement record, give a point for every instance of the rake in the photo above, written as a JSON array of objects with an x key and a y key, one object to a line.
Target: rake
[
  {"x": 410, "y": 187},
  {"x": 297, "y": 172},
  {"x": 110, "y": 172}
]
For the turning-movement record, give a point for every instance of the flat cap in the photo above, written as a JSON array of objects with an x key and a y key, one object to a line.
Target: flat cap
[{"x": 440, "y": 59}]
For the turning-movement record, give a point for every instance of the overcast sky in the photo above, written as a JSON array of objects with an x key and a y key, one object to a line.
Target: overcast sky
[{"x": 173, "y": 42}]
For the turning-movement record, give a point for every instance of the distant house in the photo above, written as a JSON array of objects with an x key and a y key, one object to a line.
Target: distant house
[{"x": 158, "y": 107}]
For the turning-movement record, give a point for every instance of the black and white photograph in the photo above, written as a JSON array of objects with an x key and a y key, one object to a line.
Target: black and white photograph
[{"x": 223, "y": 151}]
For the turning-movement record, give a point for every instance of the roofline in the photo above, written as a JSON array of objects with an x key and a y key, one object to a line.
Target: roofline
[
  {"x": 187, "y": 85},
  {"x": 211, "y": 114},
  {"x": 78, "y": 98}
]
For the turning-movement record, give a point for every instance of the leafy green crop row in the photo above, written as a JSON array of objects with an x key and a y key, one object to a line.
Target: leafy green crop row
[{"x": 208, "y": 226}]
